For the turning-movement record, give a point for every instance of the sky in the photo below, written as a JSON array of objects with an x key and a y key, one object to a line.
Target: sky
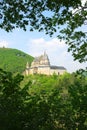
[{"x": 35, "y": 43}]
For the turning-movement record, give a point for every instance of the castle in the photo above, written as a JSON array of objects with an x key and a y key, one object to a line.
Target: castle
[{"x": 41, "y": 65}]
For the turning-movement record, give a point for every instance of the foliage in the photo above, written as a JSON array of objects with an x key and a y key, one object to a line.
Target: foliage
[
  {"x": 82, "y": 72},
  {"x": 45, "y": 83},
  {"x": 14, "y": 60},
  {"x": 11, "y": 101},
  {"x": 64, "y": 107},
  {"x": 69, "y": 109},
  {"x": 66, "y": 18}
]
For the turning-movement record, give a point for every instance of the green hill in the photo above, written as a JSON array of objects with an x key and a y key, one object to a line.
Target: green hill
[{"x": 13, "y": 60}]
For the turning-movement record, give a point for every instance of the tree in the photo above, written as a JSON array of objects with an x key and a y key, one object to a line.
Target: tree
[
  {"x": 66, "y": 19},
  {"x": 78, "y": 98},
  {"x": 62, "y": 108},
  {"x": 12, "y": 101},
  {"x": 68, "y": 106}
]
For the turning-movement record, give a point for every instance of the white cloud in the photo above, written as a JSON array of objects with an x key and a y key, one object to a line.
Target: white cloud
[
  {"x": 49, "y": 42},
  {"x": 37, "y": 41},
  {"x": 38, "y": 46},
  {"x": 3, "y": 43}
]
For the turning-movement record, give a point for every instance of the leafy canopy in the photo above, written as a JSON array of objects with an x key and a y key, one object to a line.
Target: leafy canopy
[
  {"x": 63, "y": 17},
  {"x": 62, "y": 106}
]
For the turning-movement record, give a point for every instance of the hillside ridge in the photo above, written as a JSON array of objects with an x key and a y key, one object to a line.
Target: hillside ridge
[{"x": 14, "y": 60}]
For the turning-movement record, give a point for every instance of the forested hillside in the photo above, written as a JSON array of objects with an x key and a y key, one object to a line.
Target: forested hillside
[
  {"x": 13, "y": 60},
  {"x": 45, "y": 84},
  {"x": 40, "y": 102}
]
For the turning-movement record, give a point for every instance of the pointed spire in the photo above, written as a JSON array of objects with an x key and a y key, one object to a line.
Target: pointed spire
[{"x": 45, "y": 53}]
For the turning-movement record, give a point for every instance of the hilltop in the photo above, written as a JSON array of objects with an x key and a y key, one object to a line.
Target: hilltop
[{"x": 14, "y": 60}]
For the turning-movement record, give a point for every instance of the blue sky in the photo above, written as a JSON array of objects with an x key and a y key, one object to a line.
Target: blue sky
[{"x": 35, "y": 43}]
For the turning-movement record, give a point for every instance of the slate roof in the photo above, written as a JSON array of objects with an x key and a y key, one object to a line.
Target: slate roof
[
  {"x": 57, "y": 67},
  {"x": 52, "y": 67}
]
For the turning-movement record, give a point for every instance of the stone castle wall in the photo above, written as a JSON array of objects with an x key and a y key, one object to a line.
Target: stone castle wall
[{"x": 41, "y": 65}]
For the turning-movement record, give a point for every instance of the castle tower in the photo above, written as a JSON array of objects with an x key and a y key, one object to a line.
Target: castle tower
[{"x": 46, "y": 59}]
